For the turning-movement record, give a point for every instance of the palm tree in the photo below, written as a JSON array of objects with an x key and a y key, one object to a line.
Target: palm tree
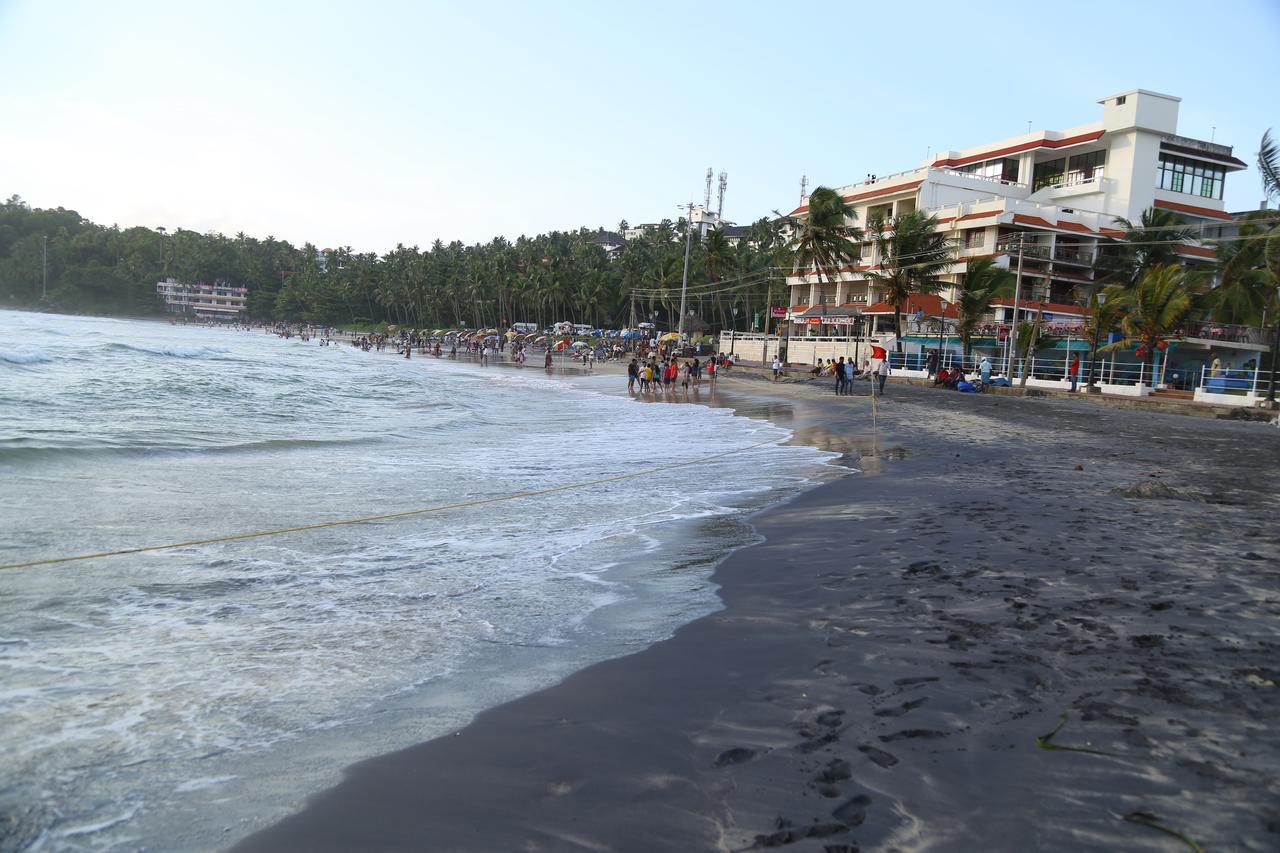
[
  {"x": 1146, "y": 244},
  {"x": 913, "y": 253},
  {"x": 1153, "y": 308},
  {"x": 1243, "y": 288},
  {"x": 983, "y": 281},
  {"x": 824, "y": 239},
  {"x": 1269, "y": 165}
]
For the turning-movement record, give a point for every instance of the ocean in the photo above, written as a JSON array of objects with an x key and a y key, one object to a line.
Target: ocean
[{"x": 182, "y": 699}]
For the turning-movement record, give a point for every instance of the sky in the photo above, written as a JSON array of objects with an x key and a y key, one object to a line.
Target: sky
[{"x": 378, "y": 123}]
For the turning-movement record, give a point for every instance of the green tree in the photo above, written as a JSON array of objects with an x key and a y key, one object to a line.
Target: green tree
[
  {"x": 1153, "y": 309},
  {"x": 983, "y": 281},
  {"x": 912, "y": 254},
  {"x": 1146, "y": 244},
  {"x": 825, "y": 239}
]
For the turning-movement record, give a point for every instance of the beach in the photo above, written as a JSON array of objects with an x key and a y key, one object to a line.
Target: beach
[{"x": 1033, "y": 623}]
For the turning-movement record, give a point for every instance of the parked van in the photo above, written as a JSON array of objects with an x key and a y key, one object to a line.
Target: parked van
[
  {"x": 583, "y": 329},
  {"x": 524, "y": 328}
]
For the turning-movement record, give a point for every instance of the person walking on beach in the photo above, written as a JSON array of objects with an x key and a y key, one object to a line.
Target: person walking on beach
[
  {"x": 547, "y": 360},
  {"x": 633, "y": 373},
  {"x": 984, "y": 370},
  {"x": 882, "y": 373},
  {"x": 1074, "y": 370},
  {"x": 777, "y": 368},
  {"x": 839, "y": 372}
]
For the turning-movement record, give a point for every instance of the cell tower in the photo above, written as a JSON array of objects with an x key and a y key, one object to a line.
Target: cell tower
[
  {"x": 707, "y": 206},
  {"x": 724, "y": 181},
  {"x": 804, "y": 184}
]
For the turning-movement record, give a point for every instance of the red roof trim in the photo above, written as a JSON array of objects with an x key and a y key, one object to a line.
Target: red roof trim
[
  {"x": 1206, "y": 212},
  {"x": 1196, "y": 251},
  {"x": 883, "y": 191},
  {"x": 1023, "y": 146},
  {"x": 1050, "y": 307}
]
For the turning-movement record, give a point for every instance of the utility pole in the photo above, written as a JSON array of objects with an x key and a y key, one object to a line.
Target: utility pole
[
  {"x": 44, "y": 271},
  {"x": 1017, "y": 294},
  {"x": 684, "y": 286}
]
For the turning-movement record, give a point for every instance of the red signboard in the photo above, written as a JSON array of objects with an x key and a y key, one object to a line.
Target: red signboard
[{"x": 777, "y": 312}]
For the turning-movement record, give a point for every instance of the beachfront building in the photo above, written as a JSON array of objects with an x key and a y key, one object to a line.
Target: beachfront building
[
  {"x": 217, "y": 300},
  {"x": 1050, "y": 197}
]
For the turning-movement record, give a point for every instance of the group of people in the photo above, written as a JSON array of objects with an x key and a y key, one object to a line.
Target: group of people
[
  {"x": 875, "y": 369},
  {"x": 653, "y": 376}
]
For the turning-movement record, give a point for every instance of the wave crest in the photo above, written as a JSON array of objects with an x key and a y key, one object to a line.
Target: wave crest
[{"x": 26, "y": 355}]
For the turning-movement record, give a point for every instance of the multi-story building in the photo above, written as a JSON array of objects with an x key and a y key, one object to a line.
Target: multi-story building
[
  {"x": 218, "y": 300},
  {"x": 1053, "y": 195}
]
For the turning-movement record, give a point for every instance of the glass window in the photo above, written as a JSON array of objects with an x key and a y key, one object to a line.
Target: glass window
[
  {"x": 975, "y": 237},
  {"x": 1049, "y": 173},
  {"x": 1195, "y": 177}
]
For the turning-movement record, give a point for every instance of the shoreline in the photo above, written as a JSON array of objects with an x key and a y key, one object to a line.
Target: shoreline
[{"x": 920, "y": 642}]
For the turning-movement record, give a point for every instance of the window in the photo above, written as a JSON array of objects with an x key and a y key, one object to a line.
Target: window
[
  {"x": 974, "y": 238},
  {"x": 1048, "y": 174},
  {"x": 1120, "y": 100},
  {"x": 1004, "y": 169},
  {"x": 1194, "y": 177},
  {"x": 1086, "y": 167}
]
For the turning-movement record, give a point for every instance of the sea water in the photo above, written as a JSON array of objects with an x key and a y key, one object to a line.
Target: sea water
[{"x": 181, "y": 699}]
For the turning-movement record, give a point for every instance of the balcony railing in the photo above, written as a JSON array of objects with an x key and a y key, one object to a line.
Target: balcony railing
[
  {"x": 1227, "y": 332},
  {"x": 1075, "y": 177},
  {"x": 1073, "y": 255}
]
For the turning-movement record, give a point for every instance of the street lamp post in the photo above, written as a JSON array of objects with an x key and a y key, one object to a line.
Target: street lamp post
[
  {"x": 1099, "y": 299},
  {"x": 733, "y": 330},
  {"x": 942, "y": 327},
  {"x": 684, "y": 284},
  {"x": 1275, "y": 350}
]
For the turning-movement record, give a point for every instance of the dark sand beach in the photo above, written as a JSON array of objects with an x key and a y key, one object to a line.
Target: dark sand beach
[{"x": 1027, "y": 624}]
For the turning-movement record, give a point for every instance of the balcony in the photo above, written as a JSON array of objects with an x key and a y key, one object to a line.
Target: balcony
[
  {"x": 1227, "y": 333},
  {"x": 1030, "y": 251},
  {"x": 1073, "y": 255}
]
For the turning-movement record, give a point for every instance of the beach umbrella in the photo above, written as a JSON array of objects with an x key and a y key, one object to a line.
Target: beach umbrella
[
  {"x": 540, "y": 339},
  {"x": 512, "y": 335},
  {"x": 577, "y": 344},
  {"x": 670, "y": 336}
]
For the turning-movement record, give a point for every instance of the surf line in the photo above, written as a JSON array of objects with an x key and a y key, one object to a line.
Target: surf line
[{"x": 391, "y": 516}]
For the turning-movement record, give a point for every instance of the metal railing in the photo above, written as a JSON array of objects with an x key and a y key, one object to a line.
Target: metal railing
[{"x": 1226, "y": 332}]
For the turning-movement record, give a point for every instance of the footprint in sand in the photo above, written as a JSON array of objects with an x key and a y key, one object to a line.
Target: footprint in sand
[
  {"x": 902, "y": 709},
  {"x": 879, "y": 756}
]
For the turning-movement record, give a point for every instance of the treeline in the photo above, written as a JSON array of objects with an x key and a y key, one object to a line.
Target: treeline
[{"x": 563, "y": 275}]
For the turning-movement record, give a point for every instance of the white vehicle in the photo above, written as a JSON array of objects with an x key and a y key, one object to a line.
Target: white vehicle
[
  {"x": 583, "y": 329},
  {"x": 524, "y": 328}
]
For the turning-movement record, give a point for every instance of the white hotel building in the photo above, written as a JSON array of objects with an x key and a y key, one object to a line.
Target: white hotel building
[
  {"x": 1058, "y": 192},
  {"x": 218, "y": 300}
]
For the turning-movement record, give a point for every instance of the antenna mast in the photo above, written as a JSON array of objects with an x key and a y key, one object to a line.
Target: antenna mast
[
  {"x": 724, "y": 181},
  {"x": 804, "y": 185},
  {"x": 707, "y": 205}
]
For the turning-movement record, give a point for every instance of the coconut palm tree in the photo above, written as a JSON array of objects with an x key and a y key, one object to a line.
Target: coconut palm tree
[
  {"x": 824, "y": 239},
  {"x": 1153, "y": 308},
  {"x": 913, "y": 253},
  {"x": 983, "y": 281},
  {"x": 1269, "y": 165},
  {"x": 1146, "y": 244},
  {"x": 1242, "y": 286}
]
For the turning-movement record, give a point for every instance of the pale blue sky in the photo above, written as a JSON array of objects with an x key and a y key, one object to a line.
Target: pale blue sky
[{"x": 375, "y": 123}]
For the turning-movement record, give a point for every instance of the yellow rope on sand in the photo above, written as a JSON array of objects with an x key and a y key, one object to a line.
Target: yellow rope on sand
[{"x": 391, "y": 516}]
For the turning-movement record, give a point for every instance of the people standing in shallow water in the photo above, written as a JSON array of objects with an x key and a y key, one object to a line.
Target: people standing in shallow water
[{"x": 547, "y": 361}]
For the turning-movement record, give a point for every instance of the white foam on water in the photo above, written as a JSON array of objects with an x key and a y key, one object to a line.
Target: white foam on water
[
  {"x": 274, "y": 662},
  {"x": 26, "y": 355}
]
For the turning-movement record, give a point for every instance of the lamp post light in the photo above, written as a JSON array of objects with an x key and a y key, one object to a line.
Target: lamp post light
[
  {"x": 1275, "y": 350},
  {"x": 733, "y": 330},
  {"x": 942, "y": 327},
  {"x": 1099, "y": 299}
]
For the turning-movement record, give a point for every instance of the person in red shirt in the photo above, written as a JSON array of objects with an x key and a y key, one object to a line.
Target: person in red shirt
[{"x": 1074, "y": 370}]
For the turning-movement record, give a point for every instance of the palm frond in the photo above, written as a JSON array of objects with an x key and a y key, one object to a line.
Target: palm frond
[{"x": 1269, "y": 165}]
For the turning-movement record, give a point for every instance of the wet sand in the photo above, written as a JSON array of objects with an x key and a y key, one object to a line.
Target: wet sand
[{"x": 895, "y": 662}]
